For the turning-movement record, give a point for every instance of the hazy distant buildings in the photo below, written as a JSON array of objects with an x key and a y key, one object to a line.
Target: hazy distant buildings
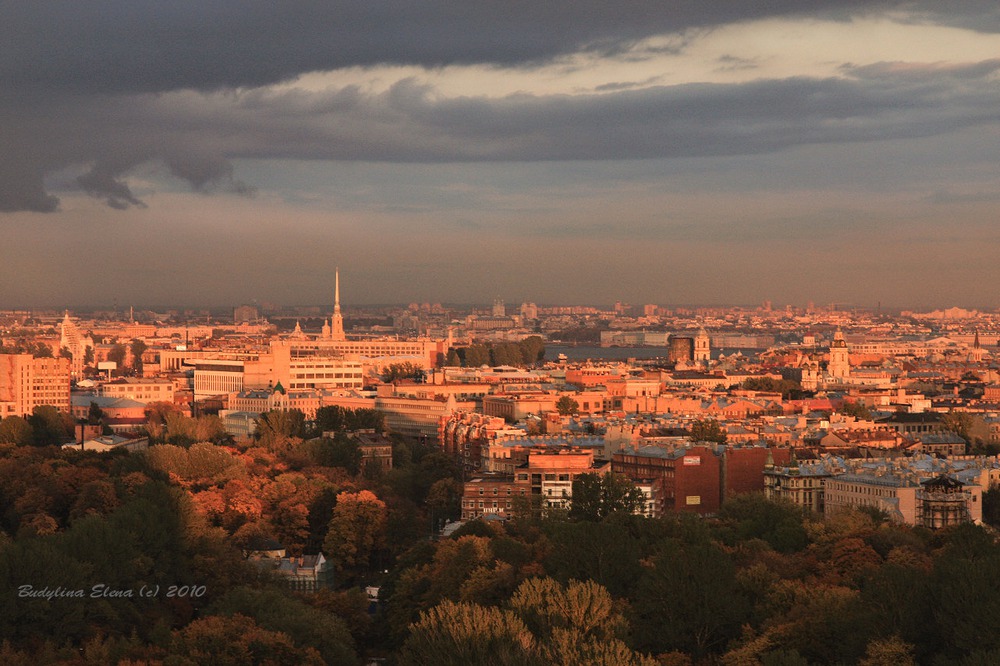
[{"x": 245, "y": 314}]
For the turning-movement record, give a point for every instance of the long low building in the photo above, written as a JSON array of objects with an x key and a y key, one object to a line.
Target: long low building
[{"x": 921, "y": 490}]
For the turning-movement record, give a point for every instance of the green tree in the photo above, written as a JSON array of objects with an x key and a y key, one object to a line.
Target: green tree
[
  {"x": 567, "y": 406},
  {"x": 453, "y": 360},
  {"x": 334, "y": 417},
  {"x": 95, "y": 415},
  {"x": 959, "y": 423},
  {"x": 88, "y": 356},
  {"x": 754, "y": 517},
  {"x": 340, "y": 451},
  {"x": 444, "y": 499},
  {"x": 117, "y": 354},
  {"x": 137, "y": 349},
  {"x": 48, "y": 426},
  {"x": 856, "y": 409},
  {"x": 356, "y": 531},
  {"x": 506, "y": 353},
  {"x": 308, "y": 627},
  {"x": 277, "y": 428},
  {"x": 532, "y": 350},
  {"x": 398, "y": 371},
  {"x": 707, "y": 430},
  {"x": 689, "y": 600},
  {"x": 15, "y": 430},
  {"x": 596, "y": 497},
  {"x": 476, "y": 356}
]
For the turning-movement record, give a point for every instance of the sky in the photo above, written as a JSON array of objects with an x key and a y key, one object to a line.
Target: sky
[{"x": 209, "y": 152}]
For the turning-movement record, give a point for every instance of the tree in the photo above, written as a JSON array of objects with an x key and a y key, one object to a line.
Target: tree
[
  {"x": 788, "y": 388},
  {"x": 958, "y": 422},
  {"x": 754, "y": 517},
  {"x": 239, "y": 641},
  {"x": 707, "y": 430},
  {"x": 397, "y": 371},
  {"x": 48, "y": 426},
  {"x": 444, "y": 499},
  {"x": 335, "y": 417},
  {"x": 338, "y": 452},
  {"x": 88, "y": 355},
  {"x": 476, "y": 356},
  {"x": 276, "y": 428},
  {"x": 456, "y": 634},
  {"x": 137, "y": 349},
  {"x": 892, "y": 651},
  {"x": 117, "y": 354},
  {"x": 15, "y": 430},
  {"x": 689, "y": 600},
  {"x": 856, "y": 409},
  {"x": 532, "y": 350},
  {"x": 596, "y": 497},
  {"x": 506, "y": 353},
  {"x": 95, "y": 415},
  {"x": 305, "y": 625},
  {"x": 357, "y": 530},
  {"x": 453, "y": 360},
  {"x": 567, "y": 406}
]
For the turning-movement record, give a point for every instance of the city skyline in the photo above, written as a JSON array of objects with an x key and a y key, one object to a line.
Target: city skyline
[{"x": 571, "y": 153}]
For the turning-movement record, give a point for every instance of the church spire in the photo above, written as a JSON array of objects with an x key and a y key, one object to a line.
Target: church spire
[
  {"x": 337, "y": 321},
  {"x": 336, "y": 293}
]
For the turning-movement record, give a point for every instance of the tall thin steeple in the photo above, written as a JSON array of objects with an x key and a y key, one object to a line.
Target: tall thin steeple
[
  {"x": 337, "y": 321},
  {"x": 336, "y": 293}
]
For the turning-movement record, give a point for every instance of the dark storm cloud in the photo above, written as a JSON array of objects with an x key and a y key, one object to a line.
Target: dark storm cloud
[
  {"x": 152, "y": 45},
  {"x": 411, "y": 123},
  {"x": 196, "y": 135},
  {"x": 105, "y": 87}
]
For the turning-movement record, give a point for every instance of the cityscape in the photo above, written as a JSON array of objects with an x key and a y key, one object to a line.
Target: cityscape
[
  {"x": 515, "y": 334},
  {"x": 321, "y": 446}
]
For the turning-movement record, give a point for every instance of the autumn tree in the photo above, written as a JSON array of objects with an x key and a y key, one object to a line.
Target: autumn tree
[
  {"x": 239, "y": 641},
  {"x": 457, "y": 634}
]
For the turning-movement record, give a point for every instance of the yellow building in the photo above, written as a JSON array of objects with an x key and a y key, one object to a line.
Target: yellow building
[{"x": 27, "y": 382}]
